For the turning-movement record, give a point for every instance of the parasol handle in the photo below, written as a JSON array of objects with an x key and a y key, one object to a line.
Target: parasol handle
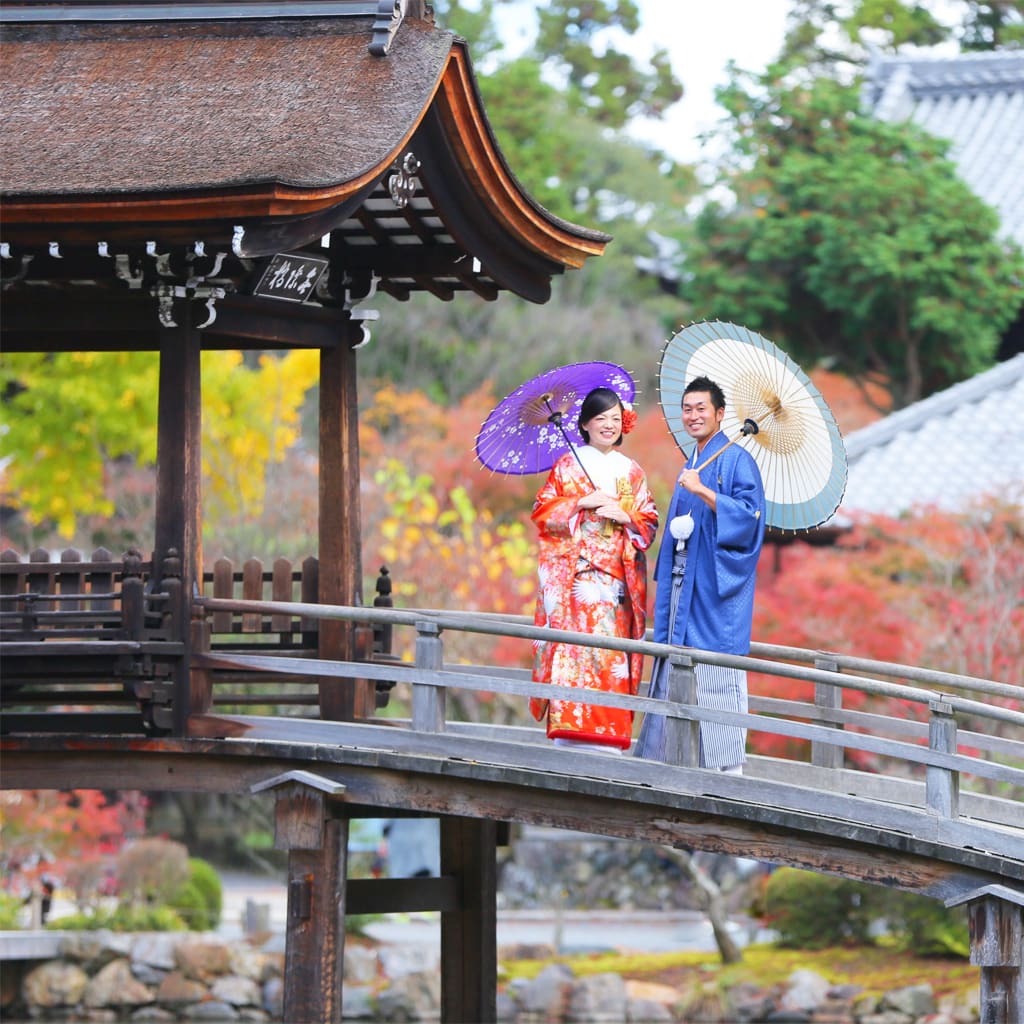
[
  {"x": 749, "y": 427},
  {"x": 556, "y": 418}
]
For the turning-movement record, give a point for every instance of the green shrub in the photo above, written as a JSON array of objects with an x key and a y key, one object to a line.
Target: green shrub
[
  {"x": 925, "y": 927},
  {"x": 812, "y": 911},
  {"x": 188, "y": 902},
  {"x": 124, "y": 918},
  {"x": 9, "y": 908},
  {"x": 203, "y": 876}
]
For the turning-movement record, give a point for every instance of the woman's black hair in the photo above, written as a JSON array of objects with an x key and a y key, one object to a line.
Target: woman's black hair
[{"x": 597, "y": 401}]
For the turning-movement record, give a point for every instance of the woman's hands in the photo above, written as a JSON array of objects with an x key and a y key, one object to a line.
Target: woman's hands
[{"x": 604, "y": 505}]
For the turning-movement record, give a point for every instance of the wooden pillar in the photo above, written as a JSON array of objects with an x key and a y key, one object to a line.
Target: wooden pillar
[
  {"x": 317, "y": 845},
  {"x": 178, "y": 523},
  {"x": 682, "y": 735},
  {"x": 340, "y": 530},
  {"x": 942, "y": 785},
  {"x": 469, "y": 954},
  {"x": 828, "y": 697},
  {"x": 996, "y": 919}
]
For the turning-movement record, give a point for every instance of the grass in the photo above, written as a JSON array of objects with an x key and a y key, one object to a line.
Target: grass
[{"x": 875, "y": 969}]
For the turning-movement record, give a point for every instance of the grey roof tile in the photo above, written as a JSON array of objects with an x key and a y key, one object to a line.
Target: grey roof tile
[
  {"x": 976, "y": 101},
  {"x": 947, "y": 450}
]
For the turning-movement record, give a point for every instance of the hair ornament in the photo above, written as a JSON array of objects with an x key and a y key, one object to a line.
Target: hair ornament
[{"x": 628, "y": 417}]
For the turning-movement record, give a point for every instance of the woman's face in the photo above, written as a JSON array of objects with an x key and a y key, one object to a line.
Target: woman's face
[{"x": 604, "y": 429}]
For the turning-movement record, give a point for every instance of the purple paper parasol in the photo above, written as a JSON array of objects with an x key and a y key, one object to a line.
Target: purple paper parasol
[{"x": 529, "y": 430}]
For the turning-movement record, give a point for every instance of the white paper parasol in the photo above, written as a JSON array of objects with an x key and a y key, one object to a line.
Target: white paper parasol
[{"x": 771, "y": 407}]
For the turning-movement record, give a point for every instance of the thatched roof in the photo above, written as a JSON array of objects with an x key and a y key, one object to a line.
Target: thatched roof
[{"x": 255, "y": 129}]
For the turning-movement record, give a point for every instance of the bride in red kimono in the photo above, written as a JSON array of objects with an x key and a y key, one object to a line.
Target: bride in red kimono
[{"x": 593, "y": 574}]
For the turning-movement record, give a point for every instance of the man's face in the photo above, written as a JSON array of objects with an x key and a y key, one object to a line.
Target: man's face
[{"x": 700, "y": 417}]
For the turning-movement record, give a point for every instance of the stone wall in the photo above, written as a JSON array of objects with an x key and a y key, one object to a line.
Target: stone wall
[
  {"x": 159, "y": 976},
  {"x": 167, "y": 977}
]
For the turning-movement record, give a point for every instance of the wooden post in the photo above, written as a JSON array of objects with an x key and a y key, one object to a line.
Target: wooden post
[
  {"x": 682, "y": 736},
  {"x": 317, "y": 846},
  {"x": 469, "y": 957},
  {"x": 340, "y": 531},
  {"x": 178, "y": 482},
  {"x": 942, "y": 785},
  {"x": 428, "y": 702},
  {"x": 829, "y": 698},
  {"x": 996, "y": 919}
]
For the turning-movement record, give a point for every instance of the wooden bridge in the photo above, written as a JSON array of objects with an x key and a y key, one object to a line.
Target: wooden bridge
[{"x": 928, "y": 802}]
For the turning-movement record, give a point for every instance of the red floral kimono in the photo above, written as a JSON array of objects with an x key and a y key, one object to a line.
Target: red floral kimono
[{"x": 593, "y": 579}]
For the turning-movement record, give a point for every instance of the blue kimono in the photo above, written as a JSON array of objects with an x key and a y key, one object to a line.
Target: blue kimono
[{"x": 705, "y": 595}]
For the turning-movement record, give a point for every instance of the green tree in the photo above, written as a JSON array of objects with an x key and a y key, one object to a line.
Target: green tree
[
  {"x": 578, "y": 46},
  {"x": 69, "y": 417},
  {"x": 853, "y": 240},
  {"x": 990, "y": 26},
  {"x": 831, "y": 36}
]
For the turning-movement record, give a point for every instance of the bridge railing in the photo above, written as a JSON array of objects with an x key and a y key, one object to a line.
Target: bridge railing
[{"x": 934, "y": 763}]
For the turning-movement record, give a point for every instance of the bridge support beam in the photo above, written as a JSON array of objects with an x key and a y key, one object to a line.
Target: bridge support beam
[
  {"x": 317, "y": 845},
  {"x": 996, "y": 918},
  {"x": 469, "y": 954}
]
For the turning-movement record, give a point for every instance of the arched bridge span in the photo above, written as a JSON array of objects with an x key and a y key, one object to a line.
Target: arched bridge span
[{"x": 937, "y": 810}]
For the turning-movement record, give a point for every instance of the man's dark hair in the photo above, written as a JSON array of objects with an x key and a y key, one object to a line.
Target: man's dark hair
[
  {"x": 597, "y": 401},
  {"x": 708, "y": 385}
]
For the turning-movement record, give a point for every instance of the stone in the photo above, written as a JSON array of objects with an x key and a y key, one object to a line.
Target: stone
[
  {"x": 396, "y": 961},
  {"x": 547, "y": 995},
  {"x": 357, "y": 1003},
  {"x": 148, "y": 975},
  {"x": 237, "y": 991},
  {"x": 362, "y": 965},
  {"x": 411, "y": 997},
  {"x": 250, "y": 963},
  {"x": 156, "y": 949},
  {"x": 805, "y": 990},
  {"x": 53, "y": 984},
  {"x": 505, "y": 1008},
  {"x": 273, "y": 997},
  {"x": 202, "y": 959},
  {"x": 115, "y": 985},
  {"x": 94, "y": 949},
  {"x": 212, "y": 1009},
  {"x": 597, "y": 998},
  {"x": 156, "y": 1014},
  {"x": 651, "y": 990},
  {"x": 647, "y": 1011},
  {"x": 177, "y": 990},
  {"x": 914, "y": 1000}
]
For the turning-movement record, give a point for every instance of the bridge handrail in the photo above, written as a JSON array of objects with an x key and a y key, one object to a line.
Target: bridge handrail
[
  {"x": 938, "y": 677},
  {"x": 519, "y": 628}
]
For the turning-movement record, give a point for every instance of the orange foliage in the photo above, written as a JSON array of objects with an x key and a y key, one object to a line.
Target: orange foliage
[
  {"x": 852, "y": 406},
  {"x": 936, "y": 590},
  {"x": 48, "y": 834}
]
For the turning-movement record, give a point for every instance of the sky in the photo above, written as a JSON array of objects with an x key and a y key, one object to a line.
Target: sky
[{"x": 701, "y": 38}]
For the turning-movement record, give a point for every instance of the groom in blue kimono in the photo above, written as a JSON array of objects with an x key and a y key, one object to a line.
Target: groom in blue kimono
[{"x": 705, "y": 574}]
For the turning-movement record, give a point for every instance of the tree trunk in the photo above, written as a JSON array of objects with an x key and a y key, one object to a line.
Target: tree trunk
[{"x": 709, "y": 898}]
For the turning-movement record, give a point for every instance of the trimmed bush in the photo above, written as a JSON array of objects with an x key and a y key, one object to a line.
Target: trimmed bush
[
  {"x": 812, "y": 911},
  {"x": 925, "y": 927},
  {"x": 10, "y": 906},
  {"x": 124, "y": 918},
  {"x": 203, "y": 877}
]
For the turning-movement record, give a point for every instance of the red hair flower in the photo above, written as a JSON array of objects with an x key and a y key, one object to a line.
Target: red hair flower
[{"x": 628, "y": 417}]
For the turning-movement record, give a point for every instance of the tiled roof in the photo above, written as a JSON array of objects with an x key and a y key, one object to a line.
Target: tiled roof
[
  {"x": 974, "y": 100},
  {"x": 947, "y": 450}
]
